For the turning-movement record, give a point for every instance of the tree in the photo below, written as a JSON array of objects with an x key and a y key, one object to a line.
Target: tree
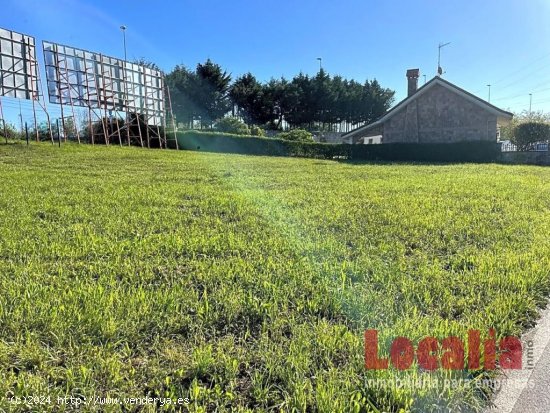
[
  {"x": 246, "y": 93},
  {"x": 318, "y": 102},
  {"x": 212, "y": 91},
  {"x": 181, "y": 82},
  {"x": 277, "y": 100},
  {"x": 301, "y": 102},
  {"x": 323, "y": 98},
  {"x": 528, "y": 133},
  {"x": 147, "y": 63},
  {"x": 202, "y": 94}
]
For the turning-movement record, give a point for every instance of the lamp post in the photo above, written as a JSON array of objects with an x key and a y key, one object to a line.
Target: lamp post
[
  {"x": 320, "y": 65},
  {"x": 123, "y": 28},
  {"x": 489, "y": 100},
  {"x": 530, "y": 101}
]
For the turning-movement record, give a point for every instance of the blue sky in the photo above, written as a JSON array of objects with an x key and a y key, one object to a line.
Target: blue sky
[{"x": 505, "y": 43}]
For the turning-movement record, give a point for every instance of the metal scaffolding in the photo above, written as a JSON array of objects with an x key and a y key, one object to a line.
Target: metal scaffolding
[
  {"x": 19, "y": 73},
  {"x": 127, "y": 98}
]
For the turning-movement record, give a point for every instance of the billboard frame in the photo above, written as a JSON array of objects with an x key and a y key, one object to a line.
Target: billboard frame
[{"x": 79, "y": 77}]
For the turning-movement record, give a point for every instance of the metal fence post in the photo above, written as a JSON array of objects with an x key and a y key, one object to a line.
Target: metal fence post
[{"x": 58, "y": 133}]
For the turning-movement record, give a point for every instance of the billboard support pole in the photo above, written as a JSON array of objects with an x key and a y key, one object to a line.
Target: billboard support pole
[
  {"x": 34, "y": 69},
  {"x": 145, "y": 116},
  {"x": 164, "y": 130},
  {"x": 138, "y": 119},
  {"x": 58, "y": 74},
  {"x": 71, "y": 103},
  {"x": 106, "y": 128},
  {"x": 87, "y": 75},
  {"x": 3, "y": 121},
  {"x": 125, "y": 106},
  {"x": 172, "y": 116},
  {"x": 114, "y": 105}
]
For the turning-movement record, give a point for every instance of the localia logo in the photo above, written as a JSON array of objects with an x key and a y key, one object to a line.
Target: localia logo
[{"x": 448, "y": 353}]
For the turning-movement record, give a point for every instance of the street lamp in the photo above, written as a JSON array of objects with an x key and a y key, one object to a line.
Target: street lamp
[
  {"x": 123, "y": 28},
  {"x": 489, "y": 100},
  {"x": 320, "y": 60},
  {"x": 530, "y": 101}
]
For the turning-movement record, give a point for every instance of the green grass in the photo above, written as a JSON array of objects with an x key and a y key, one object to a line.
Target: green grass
[{"x": 245, "y": 283}]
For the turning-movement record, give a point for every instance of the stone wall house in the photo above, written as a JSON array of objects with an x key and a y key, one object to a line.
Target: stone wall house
[{"x": 438, "y": 112}]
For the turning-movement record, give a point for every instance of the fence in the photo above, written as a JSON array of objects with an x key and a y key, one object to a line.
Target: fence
[{"x": 508, "y": 146}]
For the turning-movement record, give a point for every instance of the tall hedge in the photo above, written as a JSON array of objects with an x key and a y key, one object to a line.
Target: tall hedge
[
  {"x": 479, "y": 151},
  {"x": 528, "y": 133}
]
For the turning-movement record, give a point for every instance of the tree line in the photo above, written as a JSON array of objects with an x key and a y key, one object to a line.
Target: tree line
[{"x": 322, "y": 102}]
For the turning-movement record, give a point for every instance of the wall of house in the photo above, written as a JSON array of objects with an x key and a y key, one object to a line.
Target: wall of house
[
  {"x": 440, "y": 115},
  {"x": 371, "y": 140},
  {"x": 364, "y": 135}
]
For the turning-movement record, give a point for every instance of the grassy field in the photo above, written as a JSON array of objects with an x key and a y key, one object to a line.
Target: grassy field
[{"x": 245, "y": 283}]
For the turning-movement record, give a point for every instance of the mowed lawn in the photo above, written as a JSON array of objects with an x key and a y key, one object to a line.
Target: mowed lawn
[{"x": 246, "y": 283}]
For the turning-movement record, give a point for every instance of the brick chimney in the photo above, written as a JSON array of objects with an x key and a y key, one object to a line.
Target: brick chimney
[{"x": 412, "y": 78}]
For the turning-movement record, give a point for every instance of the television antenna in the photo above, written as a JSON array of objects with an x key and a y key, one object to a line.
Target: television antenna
[{"x": 439, "y": 69}]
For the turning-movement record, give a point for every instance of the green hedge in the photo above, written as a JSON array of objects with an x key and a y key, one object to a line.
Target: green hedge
[{"x": 426, "y": 152}]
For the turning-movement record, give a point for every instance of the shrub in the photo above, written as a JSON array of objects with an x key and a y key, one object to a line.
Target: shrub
[
  {"x": 232, "y": 125},
  {"x": 407, "y": 152},
  {"x": 526, "y": 134},
  {"x": 507, "y": 130},
  {"x": 255, "y": 130},
  {"x": 299, "y": 135},
  {"x": 11, "y": 131}
]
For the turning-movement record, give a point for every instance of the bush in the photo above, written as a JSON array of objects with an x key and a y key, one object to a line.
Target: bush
[
  {"x": 299, "y": 135},
  {"x": 408, "y": 152},
  {"x": 526, "y": 134},
  {"x": 507, "y": 130},
  {"x": 255, "y": 130},
  {"x": 232, "y": 125},
  {"x": 11, "y": 131}
]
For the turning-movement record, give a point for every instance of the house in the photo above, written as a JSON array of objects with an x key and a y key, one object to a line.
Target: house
[{"x": 438, "y": 112}]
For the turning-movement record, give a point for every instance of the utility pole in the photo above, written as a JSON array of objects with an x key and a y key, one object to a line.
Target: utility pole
[
  {"x": 530, "y": 102},
  {"x": 439, "y": 69},
  {"x": 489, "y": 86},
  {"x": 320, "y": 59}
]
